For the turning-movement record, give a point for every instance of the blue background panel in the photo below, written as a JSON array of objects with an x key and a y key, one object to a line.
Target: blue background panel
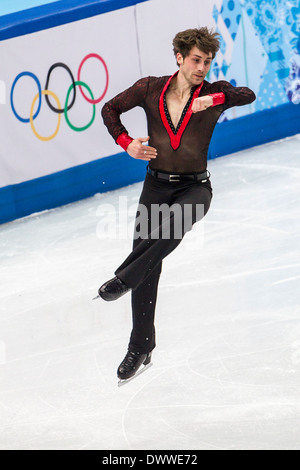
[{"x": 55, "y": 14}]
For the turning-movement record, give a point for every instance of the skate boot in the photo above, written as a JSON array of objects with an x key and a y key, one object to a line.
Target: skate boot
[
  {"x": 113, "y": 289},
  {"x": 130, "y": 366}
]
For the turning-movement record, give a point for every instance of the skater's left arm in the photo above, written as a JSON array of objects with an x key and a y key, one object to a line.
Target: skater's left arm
[
  {"x": 234, "y": 96},
  {"x": 226, "y": 95}
]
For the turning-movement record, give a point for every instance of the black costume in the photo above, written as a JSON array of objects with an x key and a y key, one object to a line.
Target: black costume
[{"x": 180, "y": 151}]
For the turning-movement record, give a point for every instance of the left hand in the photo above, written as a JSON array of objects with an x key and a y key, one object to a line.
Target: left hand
[{"x": 201, "y": 104}]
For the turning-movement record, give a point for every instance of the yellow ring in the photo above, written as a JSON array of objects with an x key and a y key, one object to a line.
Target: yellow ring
[{"x": 45, "y": 139}]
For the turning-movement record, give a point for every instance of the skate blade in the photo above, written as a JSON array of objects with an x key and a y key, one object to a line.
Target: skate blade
[
  {"x": 124, "y": 382},
  {"x": 95, "y": 298}
]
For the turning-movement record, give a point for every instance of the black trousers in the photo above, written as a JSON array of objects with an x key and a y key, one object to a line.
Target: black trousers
[{"x": 142, "y": 268}]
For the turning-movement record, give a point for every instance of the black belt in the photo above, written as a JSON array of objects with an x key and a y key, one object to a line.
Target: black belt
[{"x": 203, "y": 177}]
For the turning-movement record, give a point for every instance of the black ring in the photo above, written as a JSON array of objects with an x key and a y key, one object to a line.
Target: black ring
[{"x": 60, "y": 64}]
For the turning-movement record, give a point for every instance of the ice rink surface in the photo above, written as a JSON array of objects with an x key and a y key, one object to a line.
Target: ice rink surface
[{"x": 226, "y": 369}]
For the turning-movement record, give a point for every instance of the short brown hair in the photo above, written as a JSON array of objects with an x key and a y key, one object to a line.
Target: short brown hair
[{"x": 206, "y": 40}]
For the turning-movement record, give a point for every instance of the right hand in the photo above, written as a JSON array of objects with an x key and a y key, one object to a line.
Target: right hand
[{"x": 137, "y": 150}]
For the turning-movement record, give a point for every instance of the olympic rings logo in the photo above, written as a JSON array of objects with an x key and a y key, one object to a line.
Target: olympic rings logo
[{"x": 59, "y": 110}]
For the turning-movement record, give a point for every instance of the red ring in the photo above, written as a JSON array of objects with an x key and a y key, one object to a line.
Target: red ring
[{"x": 96, "y": 56}]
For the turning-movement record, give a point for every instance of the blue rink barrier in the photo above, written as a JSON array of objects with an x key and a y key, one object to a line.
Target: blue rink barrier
[
  {"x": 56, "y": 14},
  {"x": 116, "y": 171},
  {"x": 255, "y": 129}
]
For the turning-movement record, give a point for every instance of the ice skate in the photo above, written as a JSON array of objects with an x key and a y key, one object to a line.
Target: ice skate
[
  {"x": 113, "y": 289},
  {"x": 131, "y": 366}
]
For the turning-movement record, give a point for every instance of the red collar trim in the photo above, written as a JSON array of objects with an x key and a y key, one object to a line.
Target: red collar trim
[{"x": 175, "y": 139}]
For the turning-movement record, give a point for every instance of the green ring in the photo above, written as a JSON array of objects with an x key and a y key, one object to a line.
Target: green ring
[{"x": 79, "y": 129}]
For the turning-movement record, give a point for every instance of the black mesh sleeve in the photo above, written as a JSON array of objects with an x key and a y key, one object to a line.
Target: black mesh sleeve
[
  {"x": 128, "y": 99},
  {"x": 234, "y": 96}
]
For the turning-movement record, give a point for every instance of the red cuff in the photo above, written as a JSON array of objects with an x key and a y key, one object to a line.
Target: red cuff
[
  {"x": 124, "y": 140},
  {"x": 218, "y": 98}
]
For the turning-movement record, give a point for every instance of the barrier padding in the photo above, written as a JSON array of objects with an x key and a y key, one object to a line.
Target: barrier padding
[{"x": 55, "y": 14}]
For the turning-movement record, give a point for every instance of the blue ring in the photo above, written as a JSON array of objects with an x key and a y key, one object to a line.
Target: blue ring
[{"x": 29, "y": 74}]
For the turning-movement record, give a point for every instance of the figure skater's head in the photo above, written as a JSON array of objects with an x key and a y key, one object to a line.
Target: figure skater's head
[
  {"x": 204, "y": 39},
  {"x": 195, "y": 50}
]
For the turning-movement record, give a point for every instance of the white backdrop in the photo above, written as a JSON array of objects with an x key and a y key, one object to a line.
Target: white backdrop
[
  {"x": 158, "y": 21},
  {"x": 113, "y": 37}
]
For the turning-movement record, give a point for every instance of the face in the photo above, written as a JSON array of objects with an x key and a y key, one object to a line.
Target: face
[{"x": 195, "y": 66}]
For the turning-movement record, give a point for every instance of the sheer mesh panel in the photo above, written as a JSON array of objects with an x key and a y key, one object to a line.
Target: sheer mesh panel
[{"x": 191, "y": 155}]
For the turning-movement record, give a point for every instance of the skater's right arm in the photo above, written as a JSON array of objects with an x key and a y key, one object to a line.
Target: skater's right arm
[{"x": 111, "y": 111}]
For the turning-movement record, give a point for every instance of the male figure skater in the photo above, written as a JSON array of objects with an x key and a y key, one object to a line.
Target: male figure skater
[{"x": 182, "y": 111}]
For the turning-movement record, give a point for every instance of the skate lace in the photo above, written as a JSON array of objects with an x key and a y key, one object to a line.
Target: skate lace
[
  {"x": 121, "y": 286},
  {"x": 131, "y": 359}
]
